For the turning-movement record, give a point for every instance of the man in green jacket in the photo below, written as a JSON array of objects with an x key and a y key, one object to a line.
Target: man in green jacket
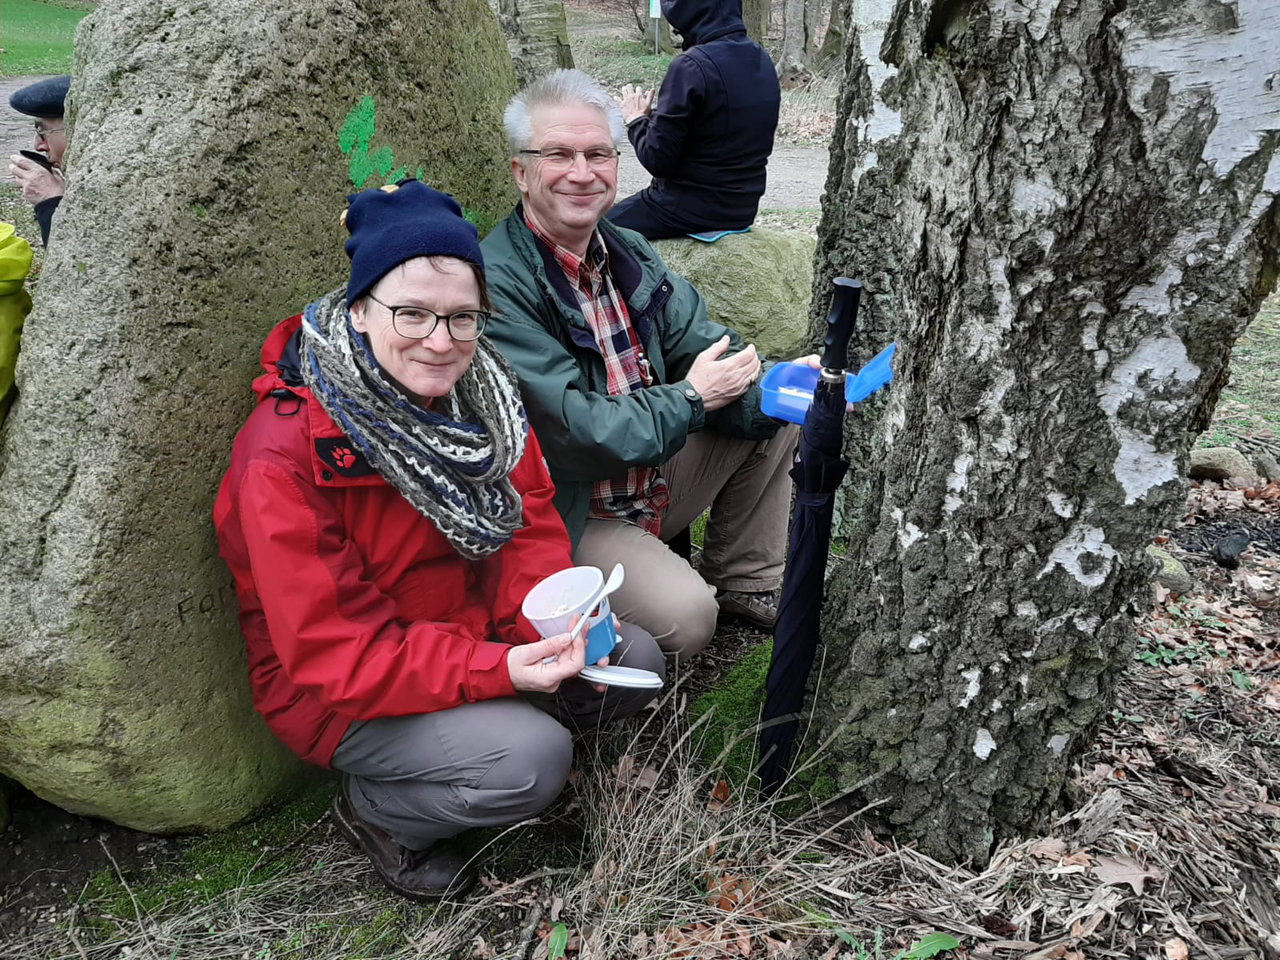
[{"x": 647, "y": 411}]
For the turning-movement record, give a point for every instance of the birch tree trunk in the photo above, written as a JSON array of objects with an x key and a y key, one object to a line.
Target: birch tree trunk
[
  {"x": 537, "y": 36},
  {"x": 1066, "y": 219}
]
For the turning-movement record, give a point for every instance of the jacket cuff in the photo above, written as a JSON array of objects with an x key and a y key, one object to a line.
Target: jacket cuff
[
  {"x": 697, "y": 412},
  {"x": 488, "y": 677}
]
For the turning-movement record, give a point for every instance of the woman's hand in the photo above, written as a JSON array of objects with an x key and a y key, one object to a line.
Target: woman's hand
[{"x": 541, "y": 667}]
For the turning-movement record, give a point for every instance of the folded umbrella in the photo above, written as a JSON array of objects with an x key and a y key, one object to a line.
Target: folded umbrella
[{"x": 817, "y": 472}]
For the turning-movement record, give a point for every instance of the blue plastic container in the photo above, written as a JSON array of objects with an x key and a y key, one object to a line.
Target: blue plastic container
[{"x": 788, "y": 387}]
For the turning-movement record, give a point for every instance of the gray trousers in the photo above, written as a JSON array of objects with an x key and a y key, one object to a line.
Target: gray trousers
[
  {"x": 429, "y": 776},
  {"x": 747, "y": 485}
]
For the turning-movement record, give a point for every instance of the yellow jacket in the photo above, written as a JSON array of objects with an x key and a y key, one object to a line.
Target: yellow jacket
[{"x": 15, "y": 303}]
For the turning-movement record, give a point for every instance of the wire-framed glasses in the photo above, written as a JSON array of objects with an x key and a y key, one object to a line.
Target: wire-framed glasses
[
  {"x": 418, "y": 323},
  {"x": 561, "y": 158}
]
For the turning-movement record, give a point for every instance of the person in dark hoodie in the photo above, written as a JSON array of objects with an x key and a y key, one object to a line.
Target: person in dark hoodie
[{"x": 708, "y": 137}]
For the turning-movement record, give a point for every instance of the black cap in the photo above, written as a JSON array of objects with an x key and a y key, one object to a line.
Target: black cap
[{"x": 44, "y": 99}]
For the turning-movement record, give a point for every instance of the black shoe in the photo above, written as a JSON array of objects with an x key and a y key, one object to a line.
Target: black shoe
[
  {"x": 421, "y": 875},
  {"x": 758, "y": 609}
]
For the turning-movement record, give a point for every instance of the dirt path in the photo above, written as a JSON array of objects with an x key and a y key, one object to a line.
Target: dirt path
[{"x": 796, "y": 177}]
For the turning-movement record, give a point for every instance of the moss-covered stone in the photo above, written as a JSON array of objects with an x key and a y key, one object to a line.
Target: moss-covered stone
[
  {"x": 1170, "y": 573},
  {"x": 757, "y": 283},
  {"x": 205, "y": 183}
]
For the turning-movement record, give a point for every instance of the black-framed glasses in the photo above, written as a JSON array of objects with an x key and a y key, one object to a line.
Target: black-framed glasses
[
  {"x": 561, "y": 158},
  {"x": 418, "y": 323}
]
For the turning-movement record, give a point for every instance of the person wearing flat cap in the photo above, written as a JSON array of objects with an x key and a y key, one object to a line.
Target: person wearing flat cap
[
  {"x": 41, "y": 182},
  {"x": 386, "y": 510}
]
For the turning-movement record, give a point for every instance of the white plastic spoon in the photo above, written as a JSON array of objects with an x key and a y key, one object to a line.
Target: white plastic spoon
[{"x": 616, "y": 576}]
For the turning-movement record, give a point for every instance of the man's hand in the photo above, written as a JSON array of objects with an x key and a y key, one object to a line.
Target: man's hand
[
  {"x": 636, "y": 103},
  {"x": 540, "y": 667},
  {"x": 35, "y": 181},
  {"x": 720, "y": 382}
]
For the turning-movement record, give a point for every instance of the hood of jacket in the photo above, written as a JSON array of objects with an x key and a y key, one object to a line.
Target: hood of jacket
[{"x": 701, "y": 21}]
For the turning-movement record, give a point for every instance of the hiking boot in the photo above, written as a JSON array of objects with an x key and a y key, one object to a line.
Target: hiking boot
[
  {"x": 758, "y": 609},
  {"x": 421, "y": 875}
]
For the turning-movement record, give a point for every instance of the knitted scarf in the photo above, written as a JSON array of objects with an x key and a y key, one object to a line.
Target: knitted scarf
[{"x": 452, "y": 462}]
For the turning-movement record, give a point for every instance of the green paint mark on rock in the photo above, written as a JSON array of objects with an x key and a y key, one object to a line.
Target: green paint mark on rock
[{"x": 354, "y": 139}]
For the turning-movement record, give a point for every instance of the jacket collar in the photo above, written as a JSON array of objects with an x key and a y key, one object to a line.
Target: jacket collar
[{"x": 625, "y": 267}]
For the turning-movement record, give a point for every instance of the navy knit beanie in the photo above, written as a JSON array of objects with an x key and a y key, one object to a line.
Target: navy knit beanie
[{"x": 399, "y": 222}]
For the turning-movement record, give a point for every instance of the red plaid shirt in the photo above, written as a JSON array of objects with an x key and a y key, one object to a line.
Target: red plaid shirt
[{"x": 640, "y": 495}]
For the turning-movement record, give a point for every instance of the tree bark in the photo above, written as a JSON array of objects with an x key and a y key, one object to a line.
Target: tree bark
[
  {"x": 1066, "y": 216},
  {"x": 793, "y": 58},
  {"x": 831, "y": 52},
  {"x": 537, "y": 36},
  {"x": 756, "y": 15}
]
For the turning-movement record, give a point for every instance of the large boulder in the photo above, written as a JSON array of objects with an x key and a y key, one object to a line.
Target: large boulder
[
  {"x": 759, "y": 283},
  {"x": 206, "y": 176},
  {"x": 1220, "y": 463}
]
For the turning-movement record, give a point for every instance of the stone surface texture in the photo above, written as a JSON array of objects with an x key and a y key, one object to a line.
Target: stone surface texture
[
  {"x": 1170, "y": 574},
  {"x": 1220, "y": 463},
  {"x": 205, "y": 183},
  {"x": 758, "y": 283},
  {"x": 1266, "y": 465}
]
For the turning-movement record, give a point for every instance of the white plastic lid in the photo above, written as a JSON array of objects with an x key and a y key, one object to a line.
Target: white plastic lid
[{"x": 622, "y": 677}]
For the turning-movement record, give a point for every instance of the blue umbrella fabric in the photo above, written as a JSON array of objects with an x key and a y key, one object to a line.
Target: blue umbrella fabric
[{"x": 817, "y": 473}]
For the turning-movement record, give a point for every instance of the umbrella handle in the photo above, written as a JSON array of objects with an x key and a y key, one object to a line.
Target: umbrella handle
[{"x": 840, "y": 321}]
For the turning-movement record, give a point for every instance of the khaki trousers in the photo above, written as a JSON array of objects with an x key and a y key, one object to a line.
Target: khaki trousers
[{"x": 747, "y": 485}]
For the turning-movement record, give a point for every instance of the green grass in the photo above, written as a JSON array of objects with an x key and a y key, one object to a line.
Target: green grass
[
  {"x": 614, "y": 62},
  {"x": 735, "y": 709},
  {"x": 37, "y": 35},
  {"x": 1250, "y": 404}
]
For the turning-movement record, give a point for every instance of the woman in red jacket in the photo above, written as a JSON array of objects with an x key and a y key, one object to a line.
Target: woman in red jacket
[{"x": 384, "y": 515}]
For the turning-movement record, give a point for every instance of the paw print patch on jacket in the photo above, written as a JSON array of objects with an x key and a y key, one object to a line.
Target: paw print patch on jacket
[{"x": 338, "y": 454}]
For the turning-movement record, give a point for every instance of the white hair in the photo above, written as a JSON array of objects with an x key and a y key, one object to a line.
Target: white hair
[{"x": 558, "y": 89}]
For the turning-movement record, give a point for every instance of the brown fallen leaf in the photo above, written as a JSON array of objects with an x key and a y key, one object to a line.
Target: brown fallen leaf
[
  {"x": 719, "y": 797},
  {"x": 1049, "y": 848},
  {"x": 1114, "y": 871}
]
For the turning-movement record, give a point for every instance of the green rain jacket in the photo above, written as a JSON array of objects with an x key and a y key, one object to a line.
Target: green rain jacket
[
  {"x": 15, "y": 302},
  {"x": 587, "y": 434}
]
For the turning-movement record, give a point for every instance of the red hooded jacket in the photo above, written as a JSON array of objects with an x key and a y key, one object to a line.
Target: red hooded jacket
[{"x": 352, "y": 604}]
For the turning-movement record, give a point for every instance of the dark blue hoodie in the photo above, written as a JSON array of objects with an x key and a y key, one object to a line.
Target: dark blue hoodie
[{"x": 710, "y": 133}]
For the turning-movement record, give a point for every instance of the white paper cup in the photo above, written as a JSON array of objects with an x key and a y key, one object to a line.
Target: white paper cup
[{"x": 551, "y": 605}]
